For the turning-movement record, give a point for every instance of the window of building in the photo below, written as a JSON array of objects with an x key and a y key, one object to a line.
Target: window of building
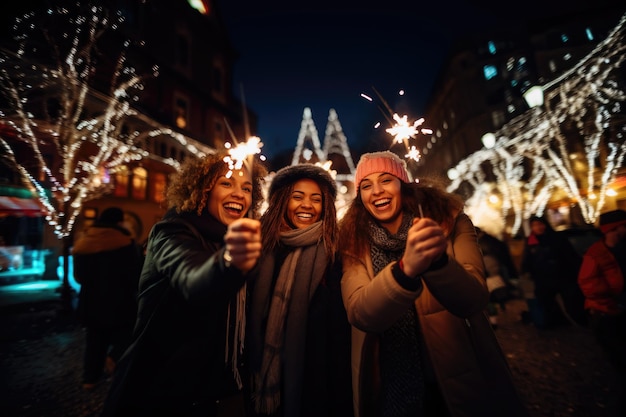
[
  {"x": 589, "y": 34},
  {"x": 158, "y": 184},
  {"x": 181, "y": 110},
  {"x": 510, "y": 63},
  {"x": 497, "y": 118},
  {"x": 121, "y": 182},
  {"x": 492, "y": 47},
  {"x": 182, "y": 50},
  {"x": 552, "y": 66},
  {"x": 490, "y": 71},
  {"x": 140, "y": 182}
]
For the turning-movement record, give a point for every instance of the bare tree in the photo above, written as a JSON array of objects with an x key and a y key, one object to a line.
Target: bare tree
[
  {"x": 531, "y": 160},
  {"x": 66, "y": 100}
]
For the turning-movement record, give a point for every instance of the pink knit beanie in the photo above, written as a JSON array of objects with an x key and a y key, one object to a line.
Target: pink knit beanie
[{"x": 385, "y": 161}]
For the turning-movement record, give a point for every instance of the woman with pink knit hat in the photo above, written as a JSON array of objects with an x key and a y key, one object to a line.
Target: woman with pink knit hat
[{"x": 415, "y": 293}]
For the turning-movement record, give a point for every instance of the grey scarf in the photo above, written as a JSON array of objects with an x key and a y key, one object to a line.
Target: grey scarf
[
  {"x": 278, "y": 319},
  {"x": 402, "y": 382}
]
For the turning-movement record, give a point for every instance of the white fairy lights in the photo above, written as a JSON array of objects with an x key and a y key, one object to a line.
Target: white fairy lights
[
  {"x": 69, "y": 134},
  {"x": 531, "y": 158}
]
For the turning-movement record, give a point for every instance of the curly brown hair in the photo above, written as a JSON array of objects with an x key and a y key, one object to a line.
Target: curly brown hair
[
  {"x": 188, "y": 186},
  {"x": 435, "y": 202}
]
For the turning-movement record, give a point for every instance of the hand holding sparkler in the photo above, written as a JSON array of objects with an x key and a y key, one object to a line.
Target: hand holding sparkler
[
  {"x": 242, "y": 244},
  {"x": 425, "y": 244}
]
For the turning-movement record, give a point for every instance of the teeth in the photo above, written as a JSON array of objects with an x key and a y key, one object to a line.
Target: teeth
[
  {"x": 381, "y": 202},
  {"x": 233, "y": 206},
  {"x": 305, "y": 215}
]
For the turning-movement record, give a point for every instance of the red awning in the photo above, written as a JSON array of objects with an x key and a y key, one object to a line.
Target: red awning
[{"x": 14, "y": 206}]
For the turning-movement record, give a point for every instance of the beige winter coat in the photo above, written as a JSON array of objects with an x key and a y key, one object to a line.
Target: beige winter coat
[{"x": 467, "y": 360}]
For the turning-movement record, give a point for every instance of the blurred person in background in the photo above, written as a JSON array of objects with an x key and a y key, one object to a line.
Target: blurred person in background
[
  {"x": 186, "y": 357},
  {"x": 299, "y": 340},
  {"x": 552, "y": 264},
  {"x": 107, "y": 264},
  {"x": 500, "y": 270},
  {"x": 415, "y": 293},
  {"x": 601, "y": 279}
]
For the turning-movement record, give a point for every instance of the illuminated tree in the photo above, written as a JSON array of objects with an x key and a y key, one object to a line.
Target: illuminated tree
[
  {"x": 573, "y": 144},
  {"x": 66, "y": 101},
  {"x": 63, "y": 133}
]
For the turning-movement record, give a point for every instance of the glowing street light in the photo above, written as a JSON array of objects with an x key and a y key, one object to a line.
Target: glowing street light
[{"x": 534, "y": 96}]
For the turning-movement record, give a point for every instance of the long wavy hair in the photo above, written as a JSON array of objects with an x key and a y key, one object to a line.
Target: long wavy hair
[
  {"x": 429, "y": 194},
  {"x": 189, "y": 185},
  {"x": 273, "y": 220}
]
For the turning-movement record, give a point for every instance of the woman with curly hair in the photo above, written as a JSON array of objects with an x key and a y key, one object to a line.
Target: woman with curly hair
[
  {"x": 299, "y": 336},
  {"x": 415, "y": 293},
  {"x": 187, "y": 349}
]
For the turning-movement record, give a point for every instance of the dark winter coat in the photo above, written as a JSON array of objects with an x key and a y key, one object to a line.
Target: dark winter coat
[
  {"x": 326, "y": 377},
  {"x": 551, "y": 261},
  {"x": 176, "y": 364},
  {"x": 106, "y": 264}
]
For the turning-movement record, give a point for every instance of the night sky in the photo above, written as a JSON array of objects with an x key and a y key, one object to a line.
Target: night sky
[{"x": 324, "y": 54}]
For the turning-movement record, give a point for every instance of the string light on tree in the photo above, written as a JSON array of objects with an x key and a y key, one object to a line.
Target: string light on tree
[
  {"x": 57, "y": 130},
  {"x": 532, "y": 159}
]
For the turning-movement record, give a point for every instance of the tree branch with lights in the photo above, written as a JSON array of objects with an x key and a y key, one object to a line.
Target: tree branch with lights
[{"x": 531, "y": 157}]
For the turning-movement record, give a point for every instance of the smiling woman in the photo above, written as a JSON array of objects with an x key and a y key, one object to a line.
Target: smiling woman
[
  {"x": 296, "y": 302},
  {"x": 192, "y": 293},
  {"x": 414, "y": 289}
]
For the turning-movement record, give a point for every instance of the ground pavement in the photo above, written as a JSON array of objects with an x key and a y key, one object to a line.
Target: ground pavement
[{"x": 559, "y": 372}]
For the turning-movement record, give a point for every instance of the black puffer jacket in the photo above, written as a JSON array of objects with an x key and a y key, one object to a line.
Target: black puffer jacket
[{"x": 176, "y": 364}]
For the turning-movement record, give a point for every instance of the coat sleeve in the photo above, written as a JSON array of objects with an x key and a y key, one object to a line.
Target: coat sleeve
[
  {"x": 373, "y": 304},
  {"x": 460, "y": 285},
  {"x": 197, "y": 274}
]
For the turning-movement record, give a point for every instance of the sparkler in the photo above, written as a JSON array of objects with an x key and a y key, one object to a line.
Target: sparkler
[
  {"x": 401, "y": 129},
  {"x": 242, "y": 153}
]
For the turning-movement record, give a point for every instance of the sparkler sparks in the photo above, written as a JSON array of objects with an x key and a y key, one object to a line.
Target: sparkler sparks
[
  {"x": 413, "y": 154},
  {"x": 402, "y": 130},
  {"x": 242, "y": 153}
]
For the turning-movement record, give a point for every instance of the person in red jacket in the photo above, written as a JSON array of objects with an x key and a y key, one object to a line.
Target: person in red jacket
[{"x": 601, "y": 279}]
